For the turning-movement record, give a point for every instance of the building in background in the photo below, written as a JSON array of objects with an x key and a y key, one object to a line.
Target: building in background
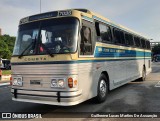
[{"x": 154, "y": 43}]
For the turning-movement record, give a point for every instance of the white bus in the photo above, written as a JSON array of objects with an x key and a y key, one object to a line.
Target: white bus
[{"x": 69, "y": 56}]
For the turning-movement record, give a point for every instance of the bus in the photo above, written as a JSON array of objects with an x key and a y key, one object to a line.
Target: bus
[{"x": 66, "y": 57}]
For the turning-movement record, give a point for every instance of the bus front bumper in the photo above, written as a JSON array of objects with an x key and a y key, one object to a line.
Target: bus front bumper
[{"x": 47, "y": 97}]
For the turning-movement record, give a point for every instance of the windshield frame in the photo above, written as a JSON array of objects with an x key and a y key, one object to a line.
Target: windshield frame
[{"x": 39, "y": 41}]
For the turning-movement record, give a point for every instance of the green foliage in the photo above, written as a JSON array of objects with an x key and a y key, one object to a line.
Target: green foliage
[
  {"x": 6, "y": 72},
  {"x": 6, "y": 46},
  {"x": 156, "y": 49}
]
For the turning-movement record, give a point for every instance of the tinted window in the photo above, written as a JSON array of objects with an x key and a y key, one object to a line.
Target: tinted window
[
  {"x": 86, "y": 43},
  {"x": 129, "y": 39},
  {"x": 122, "y": 37},
  {"x": 105, "y": 33},
  {"x": 55, "y": 35},
  {"x": 143, "y": 42},
  {"x": 148, "y": 45},
  {"x": 119, "y": 36},
  {"x": 137, "y": 41}
]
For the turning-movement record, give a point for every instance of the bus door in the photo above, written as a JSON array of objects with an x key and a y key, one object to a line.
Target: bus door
[
  {"x": 87, "y": 43},
  {"x": 87, "y": 71}
]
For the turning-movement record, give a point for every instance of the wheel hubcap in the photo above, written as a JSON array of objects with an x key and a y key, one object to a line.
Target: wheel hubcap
[{"x": 103, "y": 87}]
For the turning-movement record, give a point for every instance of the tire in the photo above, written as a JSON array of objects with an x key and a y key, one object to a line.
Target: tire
[
  {"x": 143, "y": 74},
  {"x": 102, "y": 89}
]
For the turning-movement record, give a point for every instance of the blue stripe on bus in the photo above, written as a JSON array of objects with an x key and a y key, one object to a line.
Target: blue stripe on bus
[
  {"x": 114, "y": 52},
  {"x": 73, "y": 62}
]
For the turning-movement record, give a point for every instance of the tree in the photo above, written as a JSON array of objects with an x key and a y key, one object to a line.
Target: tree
[
  {"x": 6, "y": 46},
  {"x": 156, "y": 49}
]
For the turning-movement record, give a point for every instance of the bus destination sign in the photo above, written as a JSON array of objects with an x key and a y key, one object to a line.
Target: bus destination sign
[{"x": 46, "y": 15}]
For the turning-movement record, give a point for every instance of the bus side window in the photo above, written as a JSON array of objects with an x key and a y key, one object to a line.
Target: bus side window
[
  {"x": 129, "y": 39},
  {"x": 137, "y": 42},
  {"x": 86, "y": 43},
  {"x": 105, "y": 33},
  {"x": 117, "y": 36},
  {"x": 148, "y": 45},
  {"x": 143, "y": 42}
]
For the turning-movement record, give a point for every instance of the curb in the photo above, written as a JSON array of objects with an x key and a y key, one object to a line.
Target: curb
[{"x": 4, "y": 83}]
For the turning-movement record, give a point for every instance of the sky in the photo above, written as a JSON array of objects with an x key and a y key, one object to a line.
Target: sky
[{"x": 142, "y": 16}]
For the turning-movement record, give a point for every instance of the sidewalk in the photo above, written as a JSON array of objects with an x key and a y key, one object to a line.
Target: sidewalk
[{"x": 3, "y": 83}]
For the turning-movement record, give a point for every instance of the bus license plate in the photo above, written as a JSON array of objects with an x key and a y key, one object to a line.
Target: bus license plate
[{"x": 35, "y": 82}]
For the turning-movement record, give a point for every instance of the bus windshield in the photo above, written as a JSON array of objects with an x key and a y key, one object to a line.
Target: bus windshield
[{"x": 51, "y": 36}]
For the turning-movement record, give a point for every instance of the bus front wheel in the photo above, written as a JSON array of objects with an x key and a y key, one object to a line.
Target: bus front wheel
[{"x": 102, "y": 89}]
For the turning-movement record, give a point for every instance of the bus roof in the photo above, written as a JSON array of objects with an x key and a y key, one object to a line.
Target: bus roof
[
  {"x": 112, "y": 23},
  {"x": 80, "y": 11}
]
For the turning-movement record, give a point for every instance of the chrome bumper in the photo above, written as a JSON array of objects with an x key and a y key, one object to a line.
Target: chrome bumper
[{"x": 47, "y": 97}]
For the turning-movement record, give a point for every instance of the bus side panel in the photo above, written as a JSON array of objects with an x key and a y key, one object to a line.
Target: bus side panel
[
  {"x": 148, "y": 66},
  {"x": 88, "y": 77},
  {"x": 134, "y": 69},
  {"x": 89, "y": 74},
  {"x": 148, "y": 61}
]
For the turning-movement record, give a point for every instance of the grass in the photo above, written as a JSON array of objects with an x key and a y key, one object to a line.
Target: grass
[{"x": 6, "y": 72}]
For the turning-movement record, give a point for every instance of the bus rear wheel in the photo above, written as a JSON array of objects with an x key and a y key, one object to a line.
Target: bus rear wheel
[{"x": 102, "y": 89}]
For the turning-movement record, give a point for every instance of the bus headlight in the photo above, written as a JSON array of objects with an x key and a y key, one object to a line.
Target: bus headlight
[
  {"x": 17, "y": 81},
  {"x": 61, "y": 83},
  {"x": 58, "y": 83},
  {"x": 53, "y": 83},
  {"x": 68, "y": 82}
]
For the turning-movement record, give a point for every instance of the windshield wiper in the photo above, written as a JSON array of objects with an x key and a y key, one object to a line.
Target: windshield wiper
[
  {"x": 32, "y": 43},
  {"x": 47, "y": 50}
]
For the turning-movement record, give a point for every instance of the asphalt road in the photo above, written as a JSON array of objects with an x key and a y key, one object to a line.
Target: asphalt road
[{"x": 132, "y": 97}]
